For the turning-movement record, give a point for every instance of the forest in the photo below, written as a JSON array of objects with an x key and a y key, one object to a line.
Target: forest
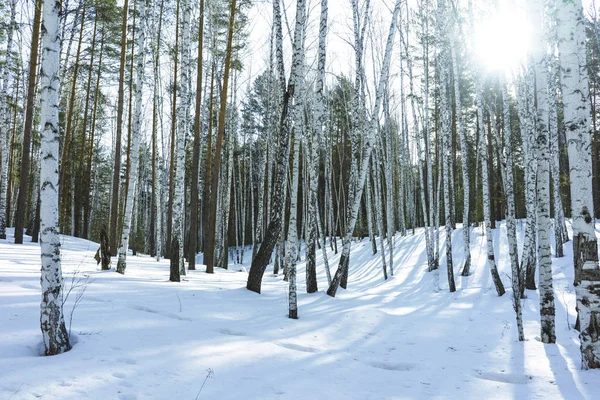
[{"x": 307, "y": 144}]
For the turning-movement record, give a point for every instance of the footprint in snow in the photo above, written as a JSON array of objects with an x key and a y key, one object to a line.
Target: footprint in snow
[
  {"x": 119, "y": 375},
  {"x": 393, "y": 366},
  {"x": 230, "y": 332},
  {"x": 297, "y": 347},
  {"x": 516, "y": 379}
]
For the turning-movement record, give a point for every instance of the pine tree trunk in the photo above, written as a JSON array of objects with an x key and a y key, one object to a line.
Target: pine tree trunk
[
  {"x": 5, "y": 119},
  {"x": 114, "y": 208},
  {"x": 209, "y": 250},
  {"x": 29, "y": 114},
  {"x": 65, "y": 190}
]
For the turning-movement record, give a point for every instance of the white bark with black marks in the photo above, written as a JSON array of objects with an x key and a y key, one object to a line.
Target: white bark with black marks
[
  {"x": 134, "y": 152},
  {"x": 575, "y": 90},
  {"x": 54, "y": 332}
]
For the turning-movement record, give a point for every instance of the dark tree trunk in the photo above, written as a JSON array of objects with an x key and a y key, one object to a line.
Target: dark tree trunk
[
  {"x": 105, "y": 249},
  {"x": 209, "y": 248},
  {"x": 114, "y": 209},
  {"x": 263, "y": 256},
  {"x": 174, "y": 275},
  {"x": 31, "y": 85}
]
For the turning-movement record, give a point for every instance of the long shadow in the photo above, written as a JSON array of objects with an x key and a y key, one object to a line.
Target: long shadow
[{"x": 563, "y": 377}]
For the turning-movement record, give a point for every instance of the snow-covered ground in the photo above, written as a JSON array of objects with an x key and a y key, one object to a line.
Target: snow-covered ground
[{"x": 139, "y": 336}]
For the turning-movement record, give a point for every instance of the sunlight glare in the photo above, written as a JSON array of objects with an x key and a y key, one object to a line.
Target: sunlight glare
[{"x": 502, "y": 39}]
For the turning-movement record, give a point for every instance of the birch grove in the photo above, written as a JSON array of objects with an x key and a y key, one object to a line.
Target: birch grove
[{"x": 168, "y": 129}]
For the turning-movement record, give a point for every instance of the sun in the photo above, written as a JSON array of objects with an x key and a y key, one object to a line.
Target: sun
[{"x": 502, "y": 39}]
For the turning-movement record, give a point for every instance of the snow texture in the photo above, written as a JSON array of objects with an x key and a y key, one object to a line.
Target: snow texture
[{"x": 139, "y": 336}]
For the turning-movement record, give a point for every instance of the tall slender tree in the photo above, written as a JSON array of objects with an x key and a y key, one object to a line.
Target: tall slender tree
[
  {"x": 27, "y": 130},
  {"x": 54, "y": 332},
  {"x": 114, "y": 205}
]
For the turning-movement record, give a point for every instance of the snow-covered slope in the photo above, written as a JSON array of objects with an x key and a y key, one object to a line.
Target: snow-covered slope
[{"x": 139, "y": 336}]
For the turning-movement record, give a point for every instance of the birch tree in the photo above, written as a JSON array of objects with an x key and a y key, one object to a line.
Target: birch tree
[
  {"x": 358, "y": 177},
  {"x": 273, "y": 231},
  {"x": 491, "y": 259},
  {"x": 464, "y": 159},
  {"x": 135, "y": 141},
  {"x": 575, "y": 93},
  {"x": 317, "y": 140},
  {"x": 511, "y": 229},
  {"x": 194, "y": 192},
  {"x": 547, "y": 309},
  {"x": 446, "y": 136},
  {"x": 54, "y": 332}
]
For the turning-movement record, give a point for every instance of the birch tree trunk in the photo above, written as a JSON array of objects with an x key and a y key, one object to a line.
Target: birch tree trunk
[
  {"x": 465, "y": 163},
  {"x": 194, "y": 192},
  {"x": 420, "y": 135},
  {"x": 446, "y": 136},
  {"x": 575, "y": 92},
  {"x": 511, "y": 229},
  {"x": 491, "y": 260},
  {"x": 135, "y": 140},
  {"x": 273, "y": 232},
  {"x": 389, "y": 161},
  {"x": 292, "y": 253},
  {"x": 183, "y": 125},
  {"x": 317, "y": 138},
  {"x": 292, "y": 236},
  {"x": 360, "y": 178},
  {"x": 154, "y": 244},
  {"x": 54, "y": 332},
  {"x": 547, "y": 309},
  {"x": 560, "y": 235},
  {"x": 379, "y": 210},
  {"x": 430, "y": 155},
  {"x": 528, "y": 259}
]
